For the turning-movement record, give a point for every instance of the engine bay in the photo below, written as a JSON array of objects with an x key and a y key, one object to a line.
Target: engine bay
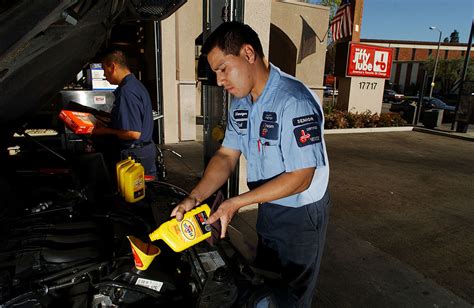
[{"x": 64, "y": 243}]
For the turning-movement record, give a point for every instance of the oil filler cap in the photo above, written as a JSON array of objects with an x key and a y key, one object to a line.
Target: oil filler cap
[{"x": 221, "y": 274}]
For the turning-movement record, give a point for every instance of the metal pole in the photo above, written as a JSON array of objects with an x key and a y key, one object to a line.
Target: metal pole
[
  {"x": 159, "y": 82},
  {"x": 464, "y": 72},
  {"x": 420, "y": 100},
  {"x": 436, "y": 61}
]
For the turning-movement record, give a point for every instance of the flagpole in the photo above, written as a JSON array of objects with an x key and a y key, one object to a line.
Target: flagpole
[{"x": 358, "y": 10}]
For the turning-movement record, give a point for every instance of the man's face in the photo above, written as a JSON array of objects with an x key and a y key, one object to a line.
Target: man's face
[
  {"x": 233, "y": 72},
  {"x": 109, "y": 72}
]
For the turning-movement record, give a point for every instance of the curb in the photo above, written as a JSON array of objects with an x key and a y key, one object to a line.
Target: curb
[
  {"x": 367, "y": 130},
  {"x": 442, "y": 133}
]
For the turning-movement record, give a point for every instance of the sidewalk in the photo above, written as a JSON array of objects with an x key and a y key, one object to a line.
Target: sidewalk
[{"x": 445, "y": 130}]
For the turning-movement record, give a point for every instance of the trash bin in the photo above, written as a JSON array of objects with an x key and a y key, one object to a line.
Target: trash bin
[
  {"x": 432, "y": 118},
  {"x": 408, "y": 114}
]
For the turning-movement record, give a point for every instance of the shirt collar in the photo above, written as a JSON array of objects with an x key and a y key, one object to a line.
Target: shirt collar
[
  {"x": 126, "y": 79},
  {"x": 271, "y": 83}
]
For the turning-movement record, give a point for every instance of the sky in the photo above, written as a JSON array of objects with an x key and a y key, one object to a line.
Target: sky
[{"x": 410, "y": 19}]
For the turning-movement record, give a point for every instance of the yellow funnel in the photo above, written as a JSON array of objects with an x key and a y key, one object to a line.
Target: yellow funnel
[{"x": 143, "y": 253}]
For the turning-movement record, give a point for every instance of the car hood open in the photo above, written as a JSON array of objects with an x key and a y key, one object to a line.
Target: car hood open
[{"x": 43, "y": 44}]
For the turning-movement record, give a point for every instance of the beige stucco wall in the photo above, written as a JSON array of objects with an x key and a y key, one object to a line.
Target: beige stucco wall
[
  {"x": 287, "y": 15},
  {"x": 179, "y": 32},
  {"x": 359, "y": 94},
  {"x": 170, "y": 92},
  {"x": 257, "y": 14}
]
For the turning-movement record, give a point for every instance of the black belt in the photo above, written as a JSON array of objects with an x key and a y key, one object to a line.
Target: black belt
[{"x": 137, "y": 145}]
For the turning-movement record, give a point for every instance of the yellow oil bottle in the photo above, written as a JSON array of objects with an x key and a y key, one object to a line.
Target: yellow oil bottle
[
  {"x": 118, "y": 167},
  {"x": 122, "y": 172},
  {"x": 183, "y": 234},
  {"x": 134, "y": 183}
]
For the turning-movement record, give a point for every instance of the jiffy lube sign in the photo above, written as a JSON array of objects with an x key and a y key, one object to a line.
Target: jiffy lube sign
[{"x": 369, "y": 61}]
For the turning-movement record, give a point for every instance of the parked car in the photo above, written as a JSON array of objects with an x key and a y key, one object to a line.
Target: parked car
[
  {"x": 390, "y": 96},
  {"x": 407, "y": 108},
  {"x": 329, "y": 91},
  {"x": 436, "y": 103}
]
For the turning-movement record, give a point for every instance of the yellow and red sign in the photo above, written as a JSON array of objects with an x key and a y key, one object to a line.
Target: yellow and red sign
[{"x": 369, "y": 61}]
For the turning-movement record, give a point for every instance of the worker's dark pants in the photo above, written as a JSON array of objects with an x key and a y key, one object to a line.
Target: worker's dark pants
[
  {"x": 145, "y": 154},
  {"x": 291, "y": 242}
]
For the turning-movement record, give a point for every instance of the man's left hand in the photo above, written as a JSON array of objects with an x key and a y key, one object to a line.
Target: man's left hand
[{"x": 225, "y": 212}]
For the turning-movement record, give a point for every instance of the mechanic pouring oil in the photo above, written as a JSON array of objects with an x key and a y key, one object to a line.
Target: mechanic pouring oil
[{"x": 183, "y": 234}]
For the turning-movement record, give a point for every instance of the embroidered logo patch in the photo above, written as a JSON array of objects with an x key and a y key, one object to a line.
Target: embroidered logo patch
[
  {"x": 241, "y": 124},
  {"x": 269, "y": 130},
  {"x": 269, "y": 116},
  {"x": 312, "y": 118},
  {"x": 241, "y": 114},
  {"x": 307, "y": 134}
]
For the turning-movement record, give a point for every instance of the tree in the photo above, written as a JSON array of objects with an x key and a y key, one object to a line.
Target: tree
[
  {"x": 333, "y": 5},
  {"x": 446, "y": 40},
  {"x": 448, "y": 73},
  {"x": 454, "y": 37}
]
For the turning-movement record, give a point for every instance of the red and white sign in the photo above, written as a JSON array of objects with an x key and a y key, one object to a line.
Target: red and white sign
[{"x": 369, "y": 61}]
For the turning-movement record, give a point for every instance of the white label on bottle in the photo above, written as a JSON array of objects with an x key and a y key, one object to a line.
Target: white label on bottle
[
  {"x": 150, "y": 284},
  {"x": 211, "y": 260}
]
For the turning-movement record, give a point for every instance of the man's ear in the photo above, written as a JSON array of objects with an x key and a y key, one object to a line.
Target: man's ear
[{"x": 249, "y": 53}]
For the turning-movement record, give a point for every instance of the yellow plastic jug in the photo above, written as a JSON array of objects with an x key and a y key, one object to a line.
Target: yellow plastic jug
[
  {"x": 122, "y": 172},
  {"x": 118, "y": 167},
  {"x": 183, "y": 234},
  {"x": 134, "y": 183}
]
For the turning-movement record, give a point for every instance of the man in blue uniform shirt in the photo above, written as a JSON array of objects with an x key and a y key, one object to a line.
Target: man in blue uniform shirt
[
  {"x": 277, "y": 124},
  {"x": 132, "y": 115}
]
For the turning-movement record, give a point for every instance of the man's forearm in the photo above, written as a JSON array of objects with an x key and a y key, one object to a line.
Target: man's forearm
[
  {"x": 284, "y": 185},
  {"x": 218, "y": 170},
  {"x": 120, "y": 133}
]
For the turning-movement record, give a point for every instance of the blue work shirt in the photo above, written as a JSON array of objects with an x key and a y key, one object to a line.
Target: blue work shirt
[
  {"x": 281, "y": 132},
  {"x": 132, "y": 109}
]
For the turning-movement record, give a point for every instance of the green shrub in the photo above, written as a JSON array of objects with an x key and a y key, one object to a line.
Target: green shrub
[{"x": 345, "y": 119}]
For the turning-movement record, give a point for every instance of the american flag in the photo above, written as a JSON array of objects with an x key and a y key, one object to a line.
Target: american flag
[{"x": 341, "y": 24}]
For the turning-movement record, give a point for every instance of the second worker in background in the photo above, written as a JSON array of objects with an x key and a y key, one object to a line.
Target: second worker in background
[{"x": 131, "y": 116}]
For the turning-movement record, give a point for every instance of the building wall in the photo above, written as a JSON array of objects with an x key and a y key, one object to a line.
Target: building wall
[
  {"x": 188, "y": 28},
  {"x": 421, "y": 54},
  {"x": 179, "y": 32},
  {"x": 288, "y": 16},
  {"x": 257, "y": 15},
  {"x": 170, "y": 92}
]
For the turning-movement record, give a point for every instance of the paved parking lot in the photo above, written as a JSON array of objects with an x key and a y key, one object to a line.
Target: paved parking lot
[{"x": 401, "y": 226}]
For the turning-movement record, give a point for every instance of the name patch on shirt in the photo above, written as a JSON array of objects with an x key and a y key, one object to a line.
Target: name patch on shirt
[
  {"x": 312, "y": 118},
  {"x": 307, "y": 134},
  {"x": 242, "y": 124},
  {"x": 241, "y": 114},
  {"x": 269, "y": 116},
  {"x": 269, "y": 130}
]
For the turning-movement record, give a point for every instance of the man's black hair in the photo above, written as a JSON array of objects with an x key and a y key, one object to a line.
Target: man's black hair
[
  {"x": 116, "y": 56},
  {"x": 230, "y": 37}
]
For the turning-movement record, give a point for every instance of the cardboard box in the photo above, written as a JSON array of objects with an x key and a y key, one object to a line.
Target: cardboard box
[{"x": 79, "y": 122}]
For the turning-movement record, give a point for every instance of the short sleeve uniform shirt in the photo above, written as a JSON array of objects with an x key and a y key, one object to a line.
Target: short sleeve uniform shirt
[
  {"x": 132, "y": 109},
  {"x": 281, "y": 132}
]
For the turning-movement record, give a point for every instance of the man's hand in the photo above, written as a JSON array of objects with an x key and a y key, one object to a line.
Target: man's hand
[
  {"x": 225, "y": 212},
  {"x": 185, "y": 205}
]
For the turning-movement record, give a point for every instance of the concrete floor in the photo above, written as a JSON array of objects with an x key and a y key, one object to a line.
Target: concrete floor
[{"x": 401, "y": 226}]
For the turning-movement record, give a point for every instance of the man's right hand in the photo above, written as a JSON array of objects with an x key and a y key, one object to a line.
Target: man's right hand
[{"x": 185, "y": 205}]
